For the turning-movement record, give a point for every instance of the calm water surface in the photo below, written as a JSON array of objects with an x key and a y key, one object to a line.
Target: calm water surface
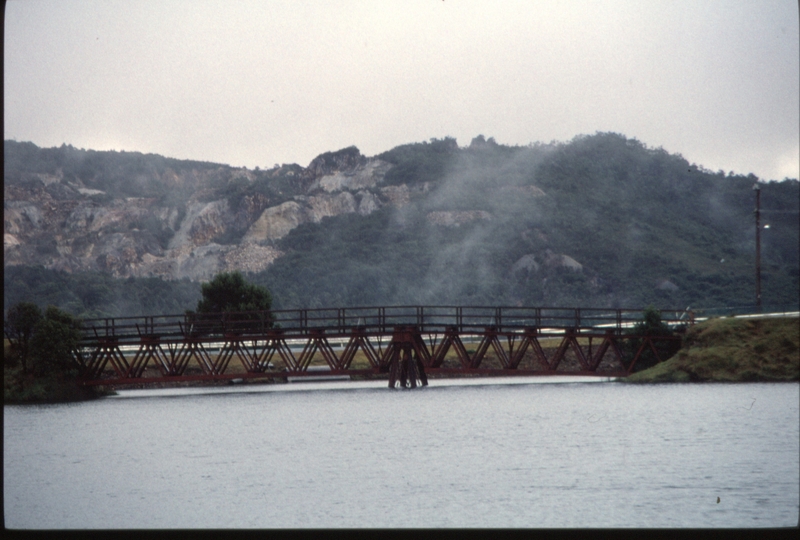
[{"x": 500, "y": 453}]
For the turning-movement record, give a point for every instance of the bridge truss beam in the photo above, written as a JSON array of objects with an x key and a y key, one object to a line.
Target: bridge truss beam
[{"x": 403, "y": 354}]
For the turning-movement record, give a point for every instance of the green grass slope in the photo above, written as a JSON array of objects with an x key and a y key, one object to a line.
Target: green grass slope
[{"x": 733, "y": 350}]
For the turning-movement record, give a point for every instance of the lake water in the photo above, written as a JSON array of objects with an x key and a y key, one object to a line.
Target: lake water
[{"x": 478, "y": 453}]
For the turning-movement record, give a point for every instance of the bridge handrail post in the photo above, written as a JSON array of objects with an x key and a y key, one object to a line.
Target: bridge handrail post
[
  {"x": 577, "y": 317},
  {"x": 498, "y": 317},
  {"x": 420, "y": 316}
]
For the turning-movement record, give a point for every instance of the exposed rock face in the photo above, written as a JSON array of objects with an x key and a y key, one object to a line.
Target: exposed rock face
[
  {"x": 203, "y": 222},
  {"x": 146, "y": 216},
  {"x": 526, "y": 263},
  {"x": 397, "y": 195},
  {"x": 250, "y": 208},
  {"x": 10, "y": 241},
  {"x": 62, "y": 223},
  {"x": 557, "y": 260},
  {"x": 365, "y": 175},
  {"x": 323, "y": 206},
  {"x": 250, "y": 258},
  {"x": 330, "y": 162},
  {"x": 333, "y": 193},
  {"x": 367, "y": 203},
  {"x": 275, "y": 222}
]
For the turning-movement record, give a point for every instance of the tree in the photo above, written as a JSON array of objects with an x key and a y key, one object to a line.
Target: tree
[
  {"x": 243, "y": 306},
  {"x": 20, "y": 324},
  {"x": 54, "y": 338}
]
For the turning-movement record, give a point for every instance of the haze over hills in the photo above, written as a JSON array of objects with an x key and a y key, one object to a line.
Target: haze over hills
[{"x": 600, "y": 221}]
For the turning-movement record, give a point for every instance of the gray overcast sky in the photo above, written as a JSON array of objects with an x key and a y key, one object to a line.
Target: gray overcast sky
[{"x": 254, "y": 83}]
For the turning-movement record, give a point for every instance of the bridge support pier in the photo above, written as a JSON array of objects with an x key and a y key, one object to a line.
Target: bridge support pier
[{"x": 405, "y": 365}]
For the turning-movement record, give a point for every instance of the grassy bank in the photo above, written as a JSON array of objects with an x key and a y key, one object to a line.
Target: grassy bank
[{"x": 733, "y": 350}]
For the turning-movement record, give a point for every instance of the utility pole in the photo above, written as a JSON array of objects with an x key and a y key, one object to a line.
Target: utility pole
[{"x": 757, "y": 189}]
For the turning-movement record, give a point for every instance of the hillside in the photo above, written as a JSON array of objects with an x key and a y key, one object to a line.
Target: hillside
[
  {"x": 602, "y": 220},
  {"x": 733, "y": 350}
]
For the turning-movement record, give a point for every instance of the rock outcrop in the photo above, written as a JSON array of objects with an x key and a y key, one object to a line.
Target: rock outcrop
[
  {"x": 559, "y": 260},
  {"x": 60, "y": 222},
  {"x": 526, "y": 263},
  {"x": 127, "y": 214},
  {"x": 275, "y": 222}
]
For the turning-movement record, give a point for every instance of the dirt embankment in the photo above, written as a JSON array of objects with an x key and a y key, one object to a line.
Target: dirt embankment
[{"x": 733, "y": 350}]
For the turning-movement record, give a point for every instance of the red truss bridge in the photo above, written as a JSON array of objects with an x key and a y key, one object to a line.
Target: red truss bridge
[{"x": 405, "y": 344}]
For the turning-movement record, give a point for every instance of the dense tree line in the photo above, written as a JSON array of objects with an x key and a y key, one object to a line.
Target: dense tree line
[{"x": 93, "y": 294}]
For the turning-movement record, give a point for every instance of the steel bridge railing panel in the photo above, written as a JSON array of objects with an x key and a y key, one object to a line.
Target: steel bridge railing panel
[{"x": 380, "y": 319}]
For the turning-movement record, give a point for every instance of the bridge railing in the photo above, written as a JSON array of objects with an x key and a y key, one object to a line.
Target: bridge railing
[
  {"x": 377, "y": 319},
  {"x": 782, "y": 310}
]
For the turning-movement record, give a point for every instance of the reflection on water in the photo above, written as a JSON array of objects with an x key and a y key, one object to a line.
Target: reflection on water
[
  {"x": 458, "y": 453},
  {"x": 310, "y": 384}
]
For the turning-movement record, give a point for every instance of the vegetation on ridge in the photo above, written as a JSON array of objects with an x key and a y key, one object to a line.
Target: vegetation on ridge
[{"x": 646, "y": 227}]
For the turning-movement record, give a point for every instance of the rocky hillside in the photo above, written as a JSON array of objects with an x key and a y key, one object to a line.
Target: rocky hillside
[
  {"x": 128, "y": 214},
  {"x": 599, "y": 221}
]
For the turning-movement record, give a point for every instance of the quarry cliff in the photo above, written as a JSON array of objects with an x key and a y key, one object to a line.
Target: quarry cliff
[
  {"x": 178, "y": 221},
  {"x": 77, "y": 222}
]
